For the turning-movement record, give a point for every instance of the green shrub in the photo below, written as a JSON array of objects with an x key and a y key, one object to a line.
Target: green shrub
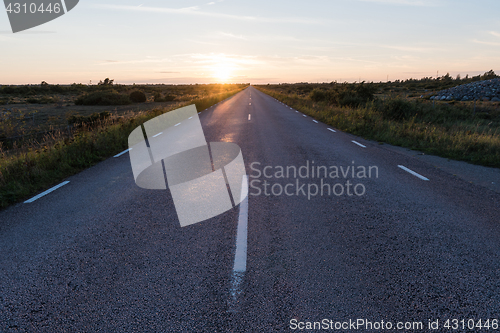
[
  {"x": 110, "y": 97},
  {"x": 137, "y": 96},
  {"x": 350, "y": 95},
  {"x": 318, "y": 95},
  {"x": 396, "y": 109}
]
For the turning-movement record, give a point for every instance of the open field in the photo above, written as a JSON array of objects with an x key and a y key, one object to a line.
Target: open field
[
  {"x": 36, "y": 161},
  {"x": 27, "y": 111},
  {"x": 467, "y": 131}
]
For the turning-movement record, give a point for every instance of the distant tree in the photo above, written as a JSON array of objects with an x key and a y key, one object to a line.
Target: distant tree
[
  {"x": 447, "y": 78},
  {"x": 489, "y": 75},
  {"x": 107, "y": 82}
]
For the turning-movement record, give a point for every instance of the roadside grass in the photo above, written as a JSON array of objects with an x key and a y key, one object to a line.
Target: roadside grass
[
  {"x": 441, "y": 129},
  {"x": 35, "y": 169}
]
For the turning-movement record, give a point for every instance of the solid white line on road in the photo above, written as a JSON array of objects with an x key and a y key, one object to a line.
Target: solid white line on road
[
  {"x": 240, "y": 256},
  {"x": 359, "y": 144},
  {"x": 332, "y": 130},
  {"x": 154, "y": 136},
  {"x": 412, "y": 172},
  {"x": 46, "y": 192},
  {"x": 123, "y": 152},
  {"x": 249, "y": 117},
  {"x": 177, "y": 124},
  {"x": 315, "y": 121}
]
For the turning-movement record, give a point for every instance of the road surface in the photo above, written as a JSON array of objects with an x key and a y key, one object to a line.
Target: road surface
[{"x": 100, "y": 254}]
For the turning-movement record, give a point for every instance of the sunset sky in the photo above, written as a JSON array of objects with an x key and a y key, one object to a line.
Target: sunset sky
[{"x": 193, "y": 41}]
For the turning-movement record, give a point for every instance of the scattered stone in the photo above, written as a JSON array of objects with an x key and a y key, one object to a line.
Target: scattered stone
[{"x": 487, "y": 90}]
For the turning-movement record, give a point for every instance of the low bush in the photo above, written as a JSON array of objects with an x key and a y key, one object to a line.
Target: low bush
[
  {"x": 109, "y": 97},
  {"x": 350, "y": 95},
  {"x": 167, "y": 98},
  {"x": 137, "y": 96},
  {"x": 396, "y": 109}
]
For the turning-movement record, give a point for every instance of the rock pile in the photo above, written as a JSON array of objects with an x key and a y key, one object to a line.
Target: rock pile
[{"x": 488, "y": 90}]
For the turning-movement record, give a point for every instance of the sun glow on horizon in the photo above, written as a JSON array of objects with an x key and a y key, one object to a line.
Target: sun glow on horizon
[{"x": 222, "y": 72}]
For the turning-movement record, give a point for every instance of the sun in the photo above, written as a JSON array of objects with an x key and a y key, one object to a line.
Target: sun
[{"x": 222, "y": 72}]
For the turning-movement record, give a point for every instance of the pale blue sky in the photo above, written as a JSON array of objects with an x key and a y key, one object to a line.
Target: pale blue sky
[{"x": 193, "y": 41}]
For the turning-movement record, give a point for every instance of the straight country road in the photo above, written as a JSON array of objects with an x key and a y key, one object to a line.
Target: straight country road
[{"x": 397, "y": 241}]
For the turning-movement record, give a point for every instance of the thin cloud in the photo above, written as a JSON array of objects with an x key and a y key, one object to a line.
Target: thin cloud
[
  {"x": 494, "y": 33},
  {"x": 197, "y": 12},
  {"x": 141, "y": 61},
  {"x": 408, "y": 48},
  {"x": 226, "y": 34},
  {"x": 486, "y": 43},
  {"x": 418, "y": 3}
]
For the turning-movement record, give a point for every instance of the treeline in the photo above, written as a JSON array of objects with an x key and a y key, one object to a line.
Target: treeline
[
  {"x": 354, "y": 94},
  {"x": 108, "y": 93},
  {"x": 45, "y": 88}
]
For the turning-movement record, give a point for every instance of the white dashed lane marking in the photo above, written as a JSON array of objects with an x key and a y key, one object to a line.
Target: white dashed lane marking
[
  {"x": 46, "y": 192},
  {"x": 359, "y": 144},
  {"x": 413, "y": 172},
  {"x": 123, "y": 152},
  {"x": 332, "y": 130}
]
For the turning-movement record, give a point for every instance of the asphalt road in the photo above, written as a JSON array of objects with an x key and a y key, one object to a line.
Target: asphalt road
[{"x": 103, "y": 255}]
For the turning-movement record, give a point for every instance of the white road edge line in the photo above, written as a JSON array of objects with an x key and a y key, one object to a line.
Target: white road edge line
[
  {"x": 315, "y": 121},
  {"x": 412, "y": 172},
  {"x": 240, "y": 256},
  {"x": 359, "y": 144},
  {"x": 332, "y": 130},
  {"x": 123, "y": 152},
  {"x": 154, "y": 136},
  {"x": 46, "y": 192}
]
